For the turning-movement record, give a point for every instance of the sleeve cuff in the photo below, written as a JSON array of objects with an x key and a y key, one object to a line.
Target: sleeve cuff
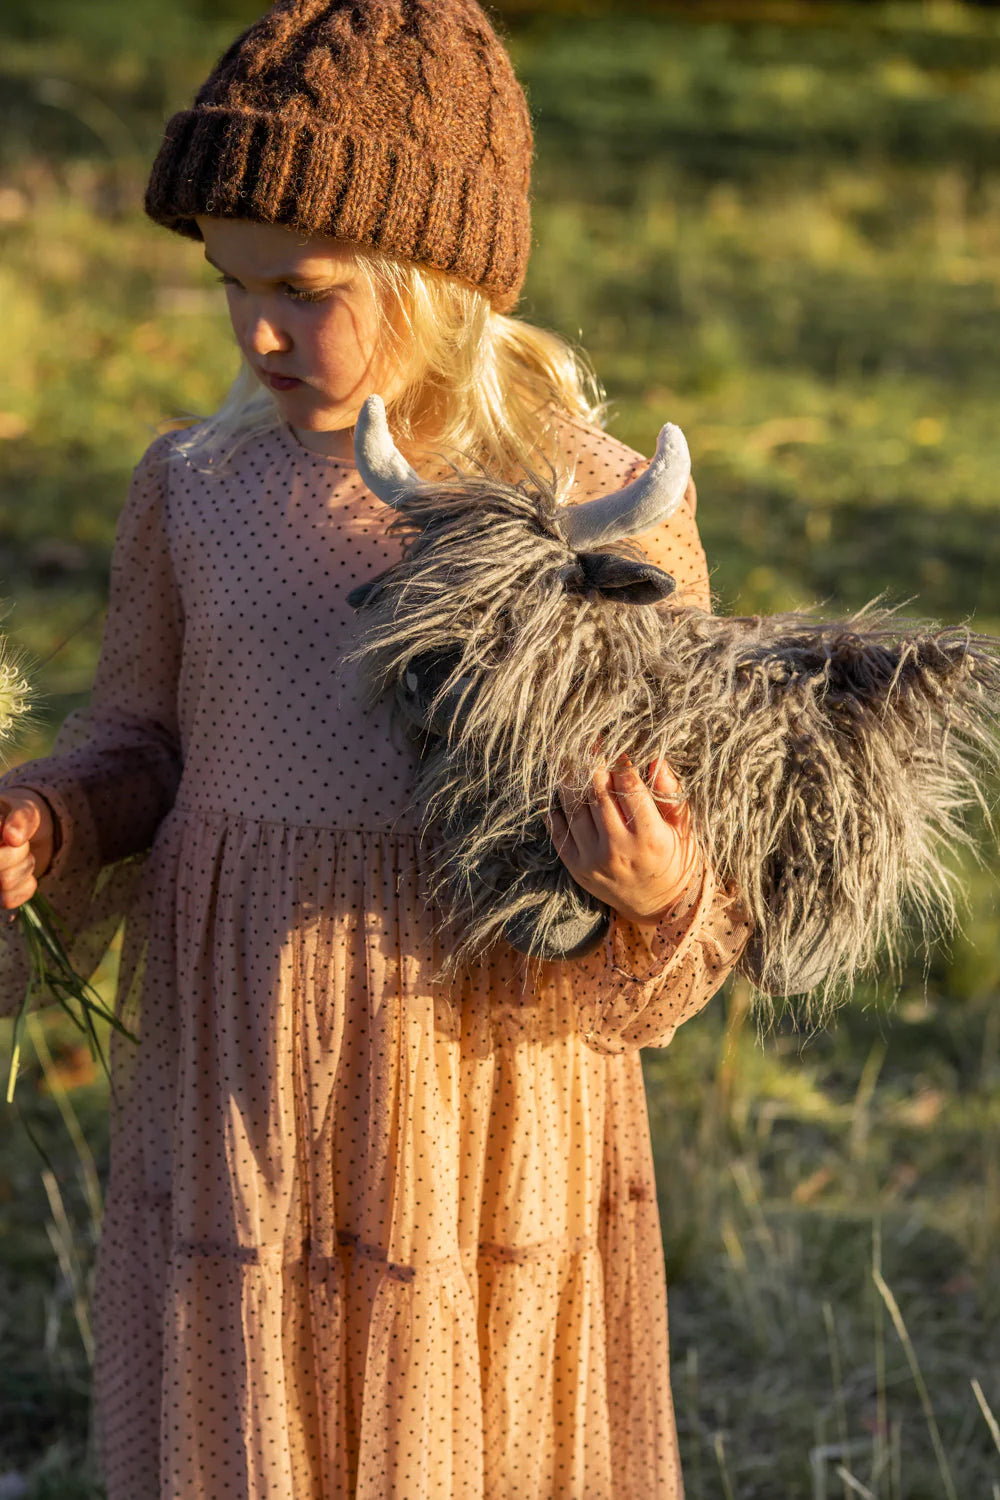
[
  {"x": 657, "y": 977},
  {"x": 76, "y": 861},
  {"x": 641, "y": 954}
]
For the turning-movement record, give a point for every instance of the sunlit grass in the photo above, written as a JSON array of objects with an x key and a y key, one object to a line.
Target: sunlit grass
[{"x": 778, "y": 1169}]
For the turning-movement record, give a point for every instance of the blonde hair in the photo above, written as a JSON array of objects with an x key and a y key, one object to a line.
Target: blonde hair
[{"x": 480, "y": 387}]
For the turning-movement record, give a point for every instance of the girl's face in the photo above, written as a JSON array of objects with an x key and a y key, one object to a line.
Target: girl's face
[{"x": 307, "y": 322}]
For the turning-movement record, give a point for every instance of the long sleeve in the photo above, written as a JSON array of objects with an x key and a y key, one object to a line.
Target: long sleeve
[
  {"x": 644, "y": 983},
  {"x": 115, "y": 766}
]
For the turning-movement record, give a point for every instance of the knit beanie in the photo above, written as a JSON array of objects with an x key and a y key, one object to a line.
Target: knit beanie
[{"x": 396, "y": 124}]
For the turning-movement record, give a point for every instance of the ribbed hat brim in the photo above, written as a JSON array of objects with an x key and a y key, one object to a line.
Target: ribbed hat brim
[{"x": 389, "y": 195}]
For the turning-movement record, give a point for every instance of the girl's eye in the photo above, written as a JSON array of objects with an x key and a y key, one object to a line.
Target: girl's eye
[
  {"x": 297, "y": 294},
  {"x": 300, "y": 294}
]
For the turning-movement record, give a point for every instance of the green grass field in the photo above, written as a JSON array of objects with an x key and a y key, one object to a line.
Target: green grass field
[{"x": 778, "y": 225}]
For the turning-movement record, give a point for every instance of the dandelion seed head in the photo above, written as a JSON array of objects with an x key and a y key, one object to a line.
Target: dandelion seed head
[{"x": 15, "y": 696}]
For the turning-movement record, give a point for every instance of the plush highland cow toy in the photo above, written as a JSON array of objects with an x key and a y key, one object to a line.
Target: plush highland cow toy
[{"x": 827, "y": 765}]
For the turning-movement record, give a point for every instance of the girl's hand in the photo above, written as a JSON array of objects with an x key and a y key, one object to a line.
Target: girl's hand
[
  {"x": 26, "y": 843},
  {"x": 629, "y": 844}
]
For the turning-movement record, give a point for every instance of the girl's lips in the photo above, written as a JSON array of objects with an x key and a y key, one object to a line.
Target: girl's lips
[{"x": 282, "y": 382}]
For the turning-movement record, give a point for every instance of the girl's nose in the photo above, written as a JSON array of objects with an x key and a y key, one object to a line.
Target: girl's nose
[{"x": 262, "y": 335}]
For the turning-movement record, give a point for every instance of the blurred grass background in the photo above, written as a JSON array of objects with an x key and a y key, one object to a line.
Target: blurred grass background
[{"x": 778, "y": 224}]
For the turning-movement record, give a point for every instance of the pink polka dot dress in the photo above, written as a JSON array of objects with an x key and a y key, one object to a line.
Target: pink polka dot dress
[{"x": 367, "y": 1235}]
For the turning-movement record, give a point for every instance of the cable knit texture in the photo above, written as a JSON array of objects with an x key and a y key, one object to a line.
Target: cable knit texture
[{"x": 396, "y": 124}]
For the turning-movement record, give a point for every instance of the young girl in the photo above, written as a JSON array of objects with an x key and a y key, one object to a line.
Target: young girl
[{"x": 366, "y": 1235}]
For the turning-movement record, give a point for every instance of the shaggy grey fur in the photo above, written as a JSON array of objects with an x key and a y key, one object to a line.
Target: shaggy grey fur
[{"x": 828, "y": 765}]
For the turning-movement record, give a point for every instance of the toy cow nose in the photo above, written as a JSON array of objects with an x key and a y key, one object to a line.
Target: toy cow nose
[{"x": 625, "y": 579}]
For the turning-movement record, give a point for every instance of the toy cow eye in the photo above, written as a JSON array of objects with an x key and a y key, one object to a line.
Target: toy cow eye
[
  {"x": 419, "y": 693},
  {"x": 625, "y": 579}
]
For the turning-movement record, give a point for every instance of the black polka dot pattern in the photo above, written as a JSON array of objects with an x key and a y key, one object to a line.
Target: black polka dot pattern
[{"x": 366, "y": 1236}]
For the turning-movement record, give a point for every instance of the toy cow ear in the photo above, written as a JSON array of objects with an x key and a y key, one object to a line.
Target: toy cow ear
[
  {"x": 363, "y": 592},
  {"x": 626, "y": 579}
]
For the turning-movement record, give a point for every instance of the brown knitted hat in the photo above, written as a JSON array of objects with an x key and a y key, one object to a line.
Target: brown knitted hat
[{"x": 392, "y": 123}]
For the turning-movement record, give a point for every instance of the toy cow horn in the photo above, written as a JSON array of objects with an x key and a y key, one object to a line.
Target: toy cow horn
[
  {"x": 644, "y": 503},
  {"x": 638, "y": 507},
  {"x": 381, "y": 465}
]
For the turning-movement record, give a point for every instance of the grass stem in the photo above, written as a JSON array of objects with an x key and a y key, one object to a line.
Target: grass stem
[
  {"x": 854, "y": 1485},
  {"x": 986, "y": 1410},
  {"x": 925, "y": 1401},
  {"x": 719, "y": 1445},
  {"x": 52, "y": 971},
  {"x": 84, "y": 1155},
  {"x": 838, "y": 1381}
]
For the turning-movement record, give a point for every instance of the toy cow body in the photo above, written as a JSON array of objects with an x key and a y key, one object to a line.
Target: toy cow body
[{"x": 827, "y": 765}]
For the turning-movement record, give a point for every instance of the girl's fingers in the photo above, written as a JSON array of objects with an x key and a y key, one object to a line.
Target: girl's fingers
[
  {"x": 675, "y": 809},
  {"x": 666, "y": 790},
  {"x": 12, "y": 876},
  {"x": 15, "y": 859},
  {"x": 579, "y": 814},
  {"x": 646, "y": 804},
  {"x": 616, "y": 800},
  {"x": 632, "y": 796},
  {"x": 664, "y": 780},
  {"x": 609, "y": 815},
  {"x": 19, "y": 822},
  {"x": 559, "y": 831},
  {"x": 14, "y": 896},
  {"x": 571, "y": 831}
]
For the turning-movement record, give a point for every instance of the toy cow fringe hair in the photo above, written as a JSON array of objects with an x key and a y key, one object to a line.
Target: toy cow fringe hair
[{"x": 829, "y": 766}]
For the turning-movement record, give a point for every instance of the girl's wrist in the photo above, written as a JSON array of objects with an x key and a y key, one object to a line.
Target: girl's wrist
[{"x": 650, "y": 919}]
